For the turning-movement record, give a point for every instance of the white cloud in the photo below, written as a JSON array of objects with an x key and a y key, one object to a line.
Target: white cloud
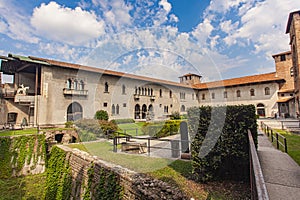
[
  {"x": 14, "y": 23},
  {"x": 261, "y": 23},
  {"x": 203, "y": 31},
  {"x": 174, "y": 18},
  {"x": 64, "y": 51},
  {"x": 166, "y": 5},
  {"x": 72, "y": 26}
]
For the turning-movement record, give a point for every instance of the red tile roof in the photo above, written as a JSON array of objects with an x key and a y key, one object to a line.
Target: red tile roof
[
  {"x": 261, "y": 78},
  {"x": 109, "y": 72}
]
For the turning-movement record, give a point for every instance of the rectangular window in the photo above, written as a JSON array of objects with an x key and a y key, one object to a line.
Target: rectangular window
[
  {"x": 225, "y": 94},
  {"x": 124, "y": 105},
  {"x": 282, "y": 58},
  {"x": 203, "y": 96},
  {"x": 105, "y": 104}
]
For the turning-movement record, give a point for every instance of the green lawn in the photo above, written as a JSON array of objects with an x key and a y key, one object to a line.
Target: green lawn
[
  {"x": 293, "y": 144},
  {"x": 133, "y": 129},
  {"x": 28, "y": 187},
  {"x": 18, "y": 132},
  {"x": 177, "y": 173}
]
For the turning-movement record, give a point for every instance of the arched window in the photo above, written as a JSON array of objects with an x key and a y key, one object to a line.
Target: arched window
[
  {"x": 260, "y": 108},
  {"x": 213, "y": 95},
  {"x": 182, "y": 109},
  {"x": 252, "y": 92},
  {"x": 69, "y": 83},
  {"x": 139, "y": 91},
  {"x": 136, "y": 90},
  {"x": 144, "y": 111},
  {"x": 123, "y": 89},
  {"x": 151, "y": 92},
  {"x": 267, "y": 91},
  {"x": 170, "y": 94},
  {"x": 142, "y": 91},
  {"x": 117, "y": 109},
  {"x": 113, "y": 109},
  {"x": 137, "y": 111},
  {"x": 81, "y": 85},
  {"x": 238, "y": 93},
  {"x": 75, "y": 85},
  {"x": 160, "y": 93},
  {"x": 106, "y": 87},
  {"x": 203, "y": 96}
]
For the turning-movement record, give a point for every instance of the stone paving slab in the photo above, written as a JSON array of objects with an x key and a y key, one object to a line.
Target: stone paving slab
[{"x": 281, "y": 172}]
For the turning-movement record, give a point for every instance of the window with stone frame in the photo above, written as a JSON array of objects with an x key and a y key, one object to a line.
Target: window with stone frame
[
  {"x": 267, "y": 91},
  {"x": 252, "y": 92},
  {"x": 238, "y": 93}
]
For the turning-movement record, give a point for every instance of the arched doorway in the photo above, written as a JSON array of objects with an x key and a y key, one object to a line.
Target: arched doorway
[
  {"x": 261, "y": 110},
  {"x": 144, "y": 111},
  {"x": 74, "y": 112},
  {"x": 150, "y": 112},
  {"x": 137, "y": 111}
]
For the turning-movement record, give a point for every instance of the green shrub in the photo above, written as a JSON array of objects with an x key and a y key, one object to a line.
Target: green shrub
[
  {"x": 107, "y": 126},
  {"x": 89, "y": 129},
  {"x": 161, "y": 129},
  {"x": 86, "y": 136},
  {"x": 220, "y": 143},
  {"x": 123, "y": 121},
  {"x": 101, "y": 115},
  {"x": 90, "y": 125},
  {"x": 175, "y": 115},
  {"x": 69, "y": 124}
]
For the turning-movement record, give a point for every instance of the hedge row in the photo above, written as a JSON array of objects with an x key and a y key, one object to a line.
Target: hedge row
[
  {"x": 220, "y": 143},
  {"x": 159, "y": 130},
  {"x": 123, "y": 121}
]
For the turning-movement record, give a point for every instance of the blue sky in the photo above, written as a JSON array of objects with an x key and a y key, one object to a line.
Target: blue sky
[{"x": 217, "y": 39}]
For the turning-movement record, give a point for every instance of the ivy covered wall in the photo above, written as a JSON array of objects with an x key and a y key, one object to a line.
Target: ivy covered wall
[
  {"x": 22, "y": 155},
  {"x": 73, "y": 174}
]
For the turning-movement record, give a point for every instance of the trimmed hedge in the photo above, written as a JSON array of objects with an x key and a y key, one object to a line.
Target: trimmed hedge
[
  {"x": 220, "y": 143},
  {"x": 123, "y": 121},
  {"x": 162, "y": 129}
]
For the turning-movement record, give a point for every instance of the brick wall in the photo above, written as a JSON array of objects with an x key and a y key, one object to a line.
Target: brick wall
[{"x": 135, "y": 185}]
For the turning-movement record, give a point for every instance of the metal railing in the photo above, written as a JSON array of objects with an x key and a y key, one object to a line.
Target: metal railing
[
  {"x": 257, "y": 182},
  {"x": 174, "y": 143},
  {"x": 275, "y": 136}
]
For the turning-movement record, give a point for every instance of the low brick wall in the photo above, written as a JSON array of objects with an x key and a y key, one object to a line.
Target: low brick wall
[{"x": 135, "y": 185}]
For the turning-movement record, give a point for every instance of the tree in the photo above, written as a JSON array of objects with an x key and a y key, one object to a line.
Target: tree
[{"x": 101, "y": 115}]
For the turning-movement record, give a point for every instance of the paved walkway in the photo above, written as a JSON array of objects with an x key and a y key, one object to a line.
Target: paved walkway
[{"x": 281, "y": 172}]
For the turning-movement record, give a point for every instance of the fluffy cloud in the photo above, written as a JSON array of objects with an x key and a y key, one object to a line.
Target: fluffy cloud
[
  {"x": 258, "y": 23},
  {"x": 14, "y": 23},
  {"x": 72, "y": 26},
  {"x": 166, "y": 5}
]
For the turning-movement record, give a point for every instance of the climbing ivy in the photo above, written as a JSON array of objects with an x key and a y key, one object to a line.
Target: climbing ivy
[
  {"x": 16, "y": 151},
  {"x": 108, "y": 186},
  {"x": 59, "y": 179}
]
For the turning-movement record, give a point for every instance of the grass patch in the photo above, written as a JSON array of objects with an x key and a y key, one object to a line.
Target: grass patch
[
  {"x": 27, "y": 187},
  {"x": 177, "y": 173},
  {"x": 18, "y": 132},
  {"x": 293, "y": 144},
  {"x": 133, "y": 129},
  {"x": 104, "y": 150}
]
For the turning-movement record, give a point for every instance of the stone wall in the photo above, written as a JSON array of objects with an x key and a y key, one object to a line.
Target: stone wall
[{"x": 135, "y": 185}]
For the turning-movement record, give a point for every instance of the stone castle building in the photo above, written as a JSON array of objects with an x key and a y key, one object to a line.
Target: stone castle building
[{"x": 47, "y": 91}]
